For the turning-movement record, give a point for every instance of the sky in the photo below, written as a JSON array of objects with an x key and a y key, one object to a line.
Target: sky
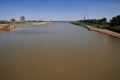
[{"x": 58, "y": 9}]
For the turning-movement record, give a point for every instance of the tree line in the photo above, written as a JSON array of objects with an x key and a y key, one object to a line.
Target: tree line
[
  {"x": 115, "y": 21},
  {"x": 95, "y": 21}
]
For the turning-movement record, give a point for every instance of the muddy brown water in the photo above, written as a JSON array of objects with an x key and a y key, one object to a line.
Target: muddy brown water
[{"x": 58, "y": 51}]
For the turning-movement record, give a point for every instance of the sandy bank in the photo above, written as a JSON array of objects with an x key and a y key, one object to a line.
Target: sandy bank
[
  {"x": 104, "y": 31},
  {"x": 6, "y": 27},
  {"x": 40, "y": 23}
]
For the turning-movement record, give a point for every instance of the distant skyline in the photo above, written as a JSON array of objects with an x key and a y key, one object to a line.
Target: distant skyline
[{"x": 58, "y": 9}]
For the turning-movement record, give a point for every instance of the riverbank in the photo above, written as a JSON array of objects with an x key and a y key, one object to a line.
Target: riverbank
[
  {"x": 4, "y": 27},
  {"x": 93, "y": 28},
  {"x": 40, "y": 23},
  {"x": 34, "y": 23},
  {"x": 11, "y": 25}
]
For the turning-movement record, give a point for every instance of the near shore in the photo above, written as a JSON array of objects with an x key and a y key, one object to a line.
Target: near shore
[{"x": 104, "y": 31}]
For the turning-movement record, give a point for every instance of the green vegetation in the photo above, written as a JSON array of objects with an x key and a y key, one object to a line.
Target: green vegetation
[
  {"x": 13, "y": 20},
  {"x": 100, "y": 23},
  {"x": 19, "y": 22},
  {"x": 113, "y": 25},
  {"x": 1, "y": 21},
  {"x": 4, "y": 22},
  {"x": 115, "y": 21}
]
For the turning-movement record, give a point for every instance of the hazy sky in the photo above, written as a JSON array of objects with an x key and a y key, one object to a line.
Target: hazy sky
[{"x": 58, "y": 9}]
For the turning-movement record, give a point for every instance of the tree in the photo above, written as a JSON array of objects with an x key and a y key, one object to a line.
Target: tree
[
  {"x": 115, "y": 21},
  {"x": 103, "y": 21},
  {"x": 13, "y": 20}
]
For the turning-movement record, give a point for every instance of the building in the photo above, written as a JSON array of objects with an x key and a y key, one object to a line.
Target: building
[{"x": 22, "y": 19}]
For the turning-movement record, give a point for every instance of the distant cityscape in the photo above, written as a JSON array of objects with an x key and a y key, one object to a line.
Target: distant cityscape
[{"x": 22, "y": 19}]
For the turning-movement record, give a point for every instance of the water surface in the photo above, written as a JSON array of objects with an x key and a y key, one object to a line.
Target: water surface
[{"x": 58, "y": 51}]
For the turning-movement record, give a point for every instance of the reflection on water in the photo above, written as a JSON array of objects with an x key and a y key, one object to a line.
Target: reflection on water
[{"x": 58, "y": 51}]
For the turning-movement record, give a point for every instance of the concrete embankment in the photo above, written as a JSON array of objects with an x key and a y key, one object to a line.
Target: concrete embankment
[{"x": 6, "y": 27}]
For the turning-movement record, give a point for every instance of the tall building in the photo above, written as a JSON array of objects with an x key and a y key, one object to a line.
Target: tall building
[{"x": 22, "y": 19}]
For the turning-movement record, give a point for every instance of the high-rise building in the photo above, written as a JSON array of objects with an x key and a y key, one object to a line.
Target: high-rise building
[{"x": 22, "y": 19}]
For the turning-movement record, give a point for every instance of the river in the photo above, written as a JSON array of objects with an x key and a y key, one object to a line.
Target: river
[{"x": 58, "y": 51}]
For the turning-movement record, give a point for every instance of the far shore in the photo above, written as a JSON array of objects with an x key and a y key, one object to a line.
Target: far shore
[
  {"x": 11, "y": 25},
  {"x": 5, "y": 26},
  {"x": 104, "y": 31},
  {"x": 33, "y": 23},
  {"x": 40, "y": 23}
]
